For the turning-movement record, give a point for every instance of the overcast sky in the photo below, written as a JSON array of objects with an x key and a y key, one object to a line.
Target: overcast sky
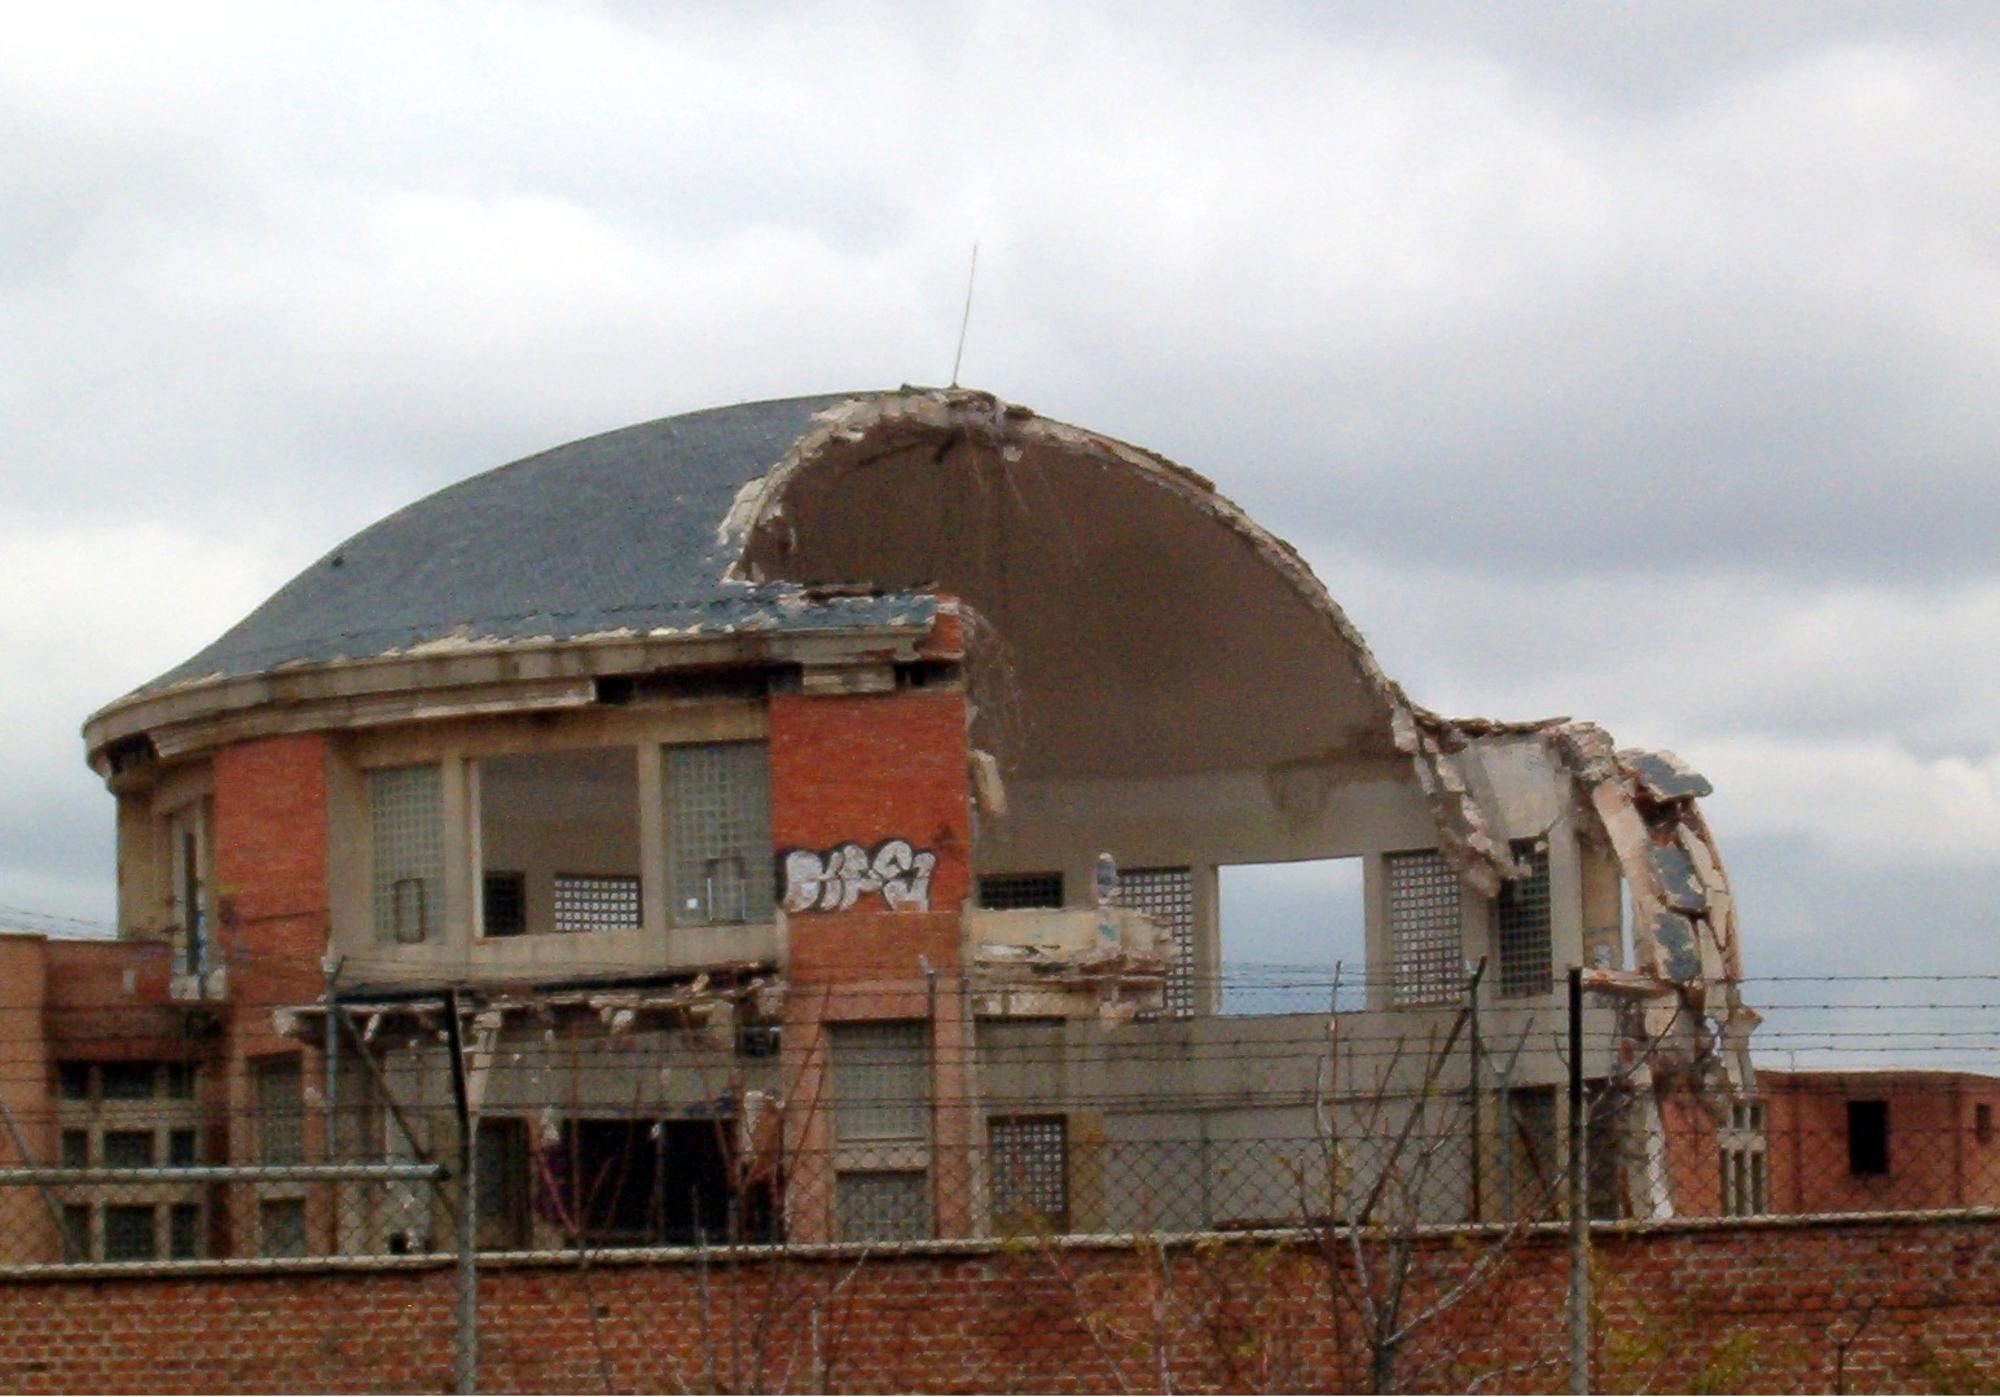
[{"x": 1633, "y": 362}]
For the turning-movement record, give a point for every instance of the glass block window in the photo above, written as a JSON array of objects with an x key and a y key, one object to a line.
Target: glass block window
[
  {"x": 1426, "y": 951},
  {"x": 1001, "y": 891},
  {"x": 1522, "y": 925},
  {"x": 281, "y": 1227},
  {"x": 406, "y": 844},
  {"x": 184, "y": 1232},
  {"x": 883, "y": 1205},
  {"x": 128, "y": 1149},
  {"x": 1745, "y": 1177},
  {"x": 596, "y": 902},
  {"x": 719, "y": 833},
  {"x": 881, "y": 1080},
  {"x": 128, "y": 1233},
  {"x": 1167, "y": 896},
  {"x": 504, "y": 911},
  {"x": 1030, "y": 1158},
  {"x": 280, "y": 1111}
]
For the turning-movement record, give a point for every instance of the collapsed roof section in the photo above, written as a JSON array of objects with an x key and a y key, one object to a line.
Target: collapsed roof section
[{"x": 1129, "y": 619}]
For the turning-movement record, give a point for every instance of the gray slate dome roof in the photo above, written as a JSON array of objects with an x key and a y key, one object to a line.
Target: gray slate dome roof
[{"x": 614, "y": 532}]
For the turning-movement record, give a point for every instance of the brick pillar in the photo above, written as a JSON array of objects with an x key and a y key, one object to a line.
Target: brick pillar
[
  {"x": 26, "y": 1086},
  {"x": 270, "y": 858},
  {"x": 850, "y": 774}
]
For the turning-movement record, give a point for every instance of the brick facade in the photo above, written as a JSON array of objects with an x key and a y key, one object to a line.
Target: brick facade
[{"x": 1908, "y": 1305}]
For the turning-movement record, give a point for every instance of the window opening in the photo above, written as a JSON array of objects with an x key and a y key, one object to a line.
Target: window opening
[
  {"x": 1426, "y": 947},
  {"x": 1522, "y": 924},
  {"x": 184, "y": 1232},
  {"x": 1867, "y": 1138},
  {"x": 76, "y": 1149},
  {"x": 127, "y": 1081},
  {"x": 883, "y": 1205},
  {"x": 504, "y": 904},
  {"x": 280, "y": 1111},
  {"x": 1982, "y": 1123},
  {"x": 719, "y": 833},
  {"x": 1167, "y": 896},
  {"x": 999, "y": 892},
  {"x": 651, "y": 1182},
  {"x": 281, "y": 1226},
  {"x": 1030, "y": 1159},
  {"x": 881, "y": 1080},
  {"x": 1284, "y": 927},
  {"x": 559, "y": 841},
  {"x": 128, "y": 1149},
  {"x": 503, "y": 1183},
  {"x": 129, "y": 1233},
  {"x": 406, "y": 847}
]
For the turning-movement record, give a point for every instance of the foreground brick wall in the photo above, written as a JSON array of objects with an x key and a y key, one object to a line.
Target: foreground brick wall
[{"x": 1912, "y": 1306}]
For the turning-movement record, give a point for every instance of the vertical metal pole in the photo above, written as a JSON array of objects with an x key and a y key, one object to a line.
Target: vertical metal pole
[
  {"x": 1476, "y": 1050},
  {"x": 1579, "y": 1201},
  {"x": 331, "y": 1051},
  {"x": 466, "y": 1366}
]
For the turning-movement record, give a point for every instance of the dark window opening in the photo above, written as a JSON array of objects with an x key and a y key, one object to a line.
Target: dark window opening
[
  {"x": 1982, "y": 1123},
  {"x": 184, "y": 1232},
  {"x": 506, "y": 904},
  {"x": 73, "y": 1081},
  {"x": 76, "y": 1149},
  {"x": 503, "y": 1183},
  {"x": 641, "y": 1183},
  {"x": 129, "y": 1234},
  {"x": 127, "y": 1081},
  {"x": 1867, "y": 1138},
  {"x": 128, "y": 1149},
  {"x": 999, "y": 892}
]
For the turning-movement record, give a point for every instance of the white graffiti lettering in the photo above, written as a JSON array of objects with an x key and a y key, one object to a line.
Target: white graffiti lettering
[{"x": 833, "y": 881}]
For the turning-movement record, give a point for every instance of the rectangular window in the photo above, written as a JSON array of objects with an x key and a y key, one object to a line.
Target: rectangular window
[
  {"x": 1167, "y": 896},
  {"x": 179, "y": 1080},
  {"x": 184, "y": 1232},
  {"x": 76, "y": 1231},
  {"x": 76, "y": 1149},
  {"x": 127, "y": 1081},
  {"x": 1001, "y": 891},
  {"x": 1982, "y": 1123},
  {"x": 280, "y": 1111},
  {"x": 883, "y": 1205},
  {"x": 181, "y": 1149},
  {"x": 881, "y": 1080},
  {"x": 129, "y": 1233},
  {"x": 1427, "y": 954},
  {"x": 187, "y": 845},
  {"x": 128, "y": 1149},
  {"x": 406, "y": 845},
  {"x": 1030, "y": 1157},
  {"x": 543, "y": 812},
  {"x": 73, "y": 1081},
  {"x": 503, "y": 1183},
  {"x": 1534, "y": 1157},
  {"x": 1741, "y": 1143},
  {"x": 1867, "y": 1138},
  {"x": 719, "y": 833},
  {"x": 596, "y": 902},
  {"x": 281, "y": 1227},
  {"x": 1522, "y": 925},
  {"x": 505, "y": 904}
]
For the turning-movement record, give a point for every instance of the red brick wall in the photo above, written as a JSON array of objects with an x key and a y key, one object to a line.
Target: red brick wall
[
  {"x": 1936, "y": 1159},
  {"x": 1749, "y": 1308}
]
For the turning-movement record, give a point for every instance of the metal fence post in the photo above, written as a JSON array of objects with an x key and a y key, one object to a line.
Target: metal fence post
[
  {"x": 1579, "y": 1199},
  {"x": 466, "y": 1355}
]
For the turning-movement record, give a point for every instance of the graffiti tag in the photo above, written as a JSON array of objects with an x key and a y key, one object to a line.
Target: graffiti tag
[{"x": 835, "y": 880}]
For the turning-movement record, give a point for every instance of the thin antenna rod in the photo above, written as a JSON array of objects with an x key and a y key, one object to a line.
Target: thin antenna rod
[{"x": 965, "y": 319}]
